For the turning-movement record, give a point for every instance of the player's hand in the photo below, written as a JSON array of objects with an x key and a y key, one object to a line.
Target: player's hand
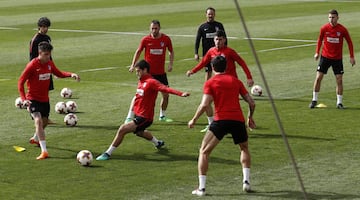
[
  {"x": 75, "y": 76},
  {"x": 352, "y": 61},
  {"x": 316, "y": 56},
  {"x": 251, "y": 123},
  {"x": 170, "y": 68},
  {"x": 26, "y": 104},
  {"x": 191, "y": 123},
  {"x": 185, "y": 94},
  {"x": 250, "y": 82},
  {"x": 196, "y": 57},
  {"x": 189, "y": 73}
]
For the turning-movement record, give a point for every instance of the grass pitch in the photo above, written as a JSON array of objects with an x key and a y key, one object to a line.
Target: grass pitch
[{"x": 97, "y": 40}]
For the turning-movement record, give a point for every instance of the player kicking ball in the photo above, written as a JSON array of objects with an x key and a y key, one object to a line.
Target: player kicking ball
[{"x": 144, "y": 104}]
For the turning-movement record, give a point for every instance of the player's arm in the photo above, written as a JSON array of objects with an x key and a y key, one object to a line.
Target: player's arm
[
  {"x": 242, "y": 63},
  {"x": 204, "y": 61},
  {"x": 163, "y": 88},
  {"x": 197, "y": 43},
  {"x": 205, "y": 102},
  {"x": 135, "y": 59},
  {"x": 319, "y": 44},
  {"x": 251, "y": 102},
  {"x": 171, "y": 56},
  {"x": 33, "y": 48},
  {"x": 22, "y": 79},
  {"x": 63, "y": 74},
  {"x": 351, "y": 48}
]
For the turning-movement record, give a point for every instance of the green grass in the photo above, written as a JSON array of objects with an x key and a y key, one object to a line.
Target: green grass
[{"x": 325, "y": 141}]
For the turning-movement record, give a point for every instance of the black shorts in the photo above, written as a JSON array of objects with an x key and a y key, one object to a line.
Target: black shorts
[
  {"x": 42, "y": 107},
  {"x": 162, "y": 78},
  {"x": 236, "y": 128},
  {"x": 208, "y": 68},
  {"x": 326, "y": 63},
  {"x": 142, "y": 123}
]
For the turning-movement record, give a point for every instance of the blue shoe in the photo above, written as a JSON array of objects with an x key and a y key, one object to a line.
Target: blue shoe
[
  {"x": 165, "y": 119},
  {"x": 103, "y": 156},
  {"x": 160, "y": 144}
]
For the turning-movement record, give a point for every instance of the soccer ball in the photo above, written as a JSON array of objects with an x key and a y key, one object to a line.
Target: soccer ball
[
  {"x": 60, "y": 107},
  {"x": 70, "y": 119},
  {"x": 71, "y": 106},
  {"x": 84, "y": 157},
  {"x": 256, "y": 90},
  {"x": 19, "y": 103},
  {"x": 66, "y": 93}
]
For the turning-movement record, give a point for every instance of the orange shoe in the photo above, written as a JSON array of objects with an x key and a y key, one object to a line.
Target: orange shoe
[
  {"x": 43, "y": 156},
  {"x": 33, "y": 141}
]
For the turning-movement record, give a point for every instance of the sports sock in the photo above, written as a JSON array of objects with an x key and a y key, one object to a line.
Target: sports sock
[
  {"x": 162, "y": 113},
  {"x": 315, "y": 96},
  {"x": 154, "y": 140},
  {"x": 339, "y": 99},
  {"x": 202, "y": 181},
  {"x": 130, "y": 114},
  {"x": 246, "y": 175},
  {"x": 43, "y": 145},
  {"x": 35, "y": 137},
  {"x": 110, "y": 149},
  {"x": 210, "y": 119}
]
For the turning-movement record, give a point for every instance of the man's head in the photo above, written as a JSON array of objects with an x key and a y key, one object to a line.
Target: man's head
[
  {"x": 45, "y": 49},
  {"x": 43, "y": 25},
  {"x": 220, "y": 39},
  {"x": 333, "y": 17},
  {"x": 210, "y": 14},
  {"x": 218, "y": 64},
  {"x": 141, "y": 68},
  {"x": 155, "y": 28}
]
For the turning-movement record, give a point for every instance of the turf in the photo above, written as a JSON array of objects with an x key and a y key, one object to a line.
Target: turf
[{"x": 325, "y": 141}]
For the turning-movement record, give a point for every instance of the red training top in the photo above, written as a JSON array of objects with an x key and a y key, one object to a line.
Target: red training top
[
  {"x": 231, "y": 57},
  {"x": 37, "y": 76},
  {"x": 225, "y": 90},
  {"x": 155, "y": 52},
  {"x": 146, "y": 94},
  {"x": 332, "y": 37}
]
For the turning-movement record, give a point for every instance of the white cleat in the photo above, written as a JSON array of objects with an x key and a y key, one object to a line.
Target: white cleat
[
  {"x": 246, "y": 187},
  {"x": 199, "y": 192}
]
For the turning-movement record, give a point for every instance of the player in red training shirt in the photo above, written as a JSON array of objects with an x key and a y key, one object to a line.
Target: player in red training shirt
[
  {"x": 144, "y": 104},
  {"x": 155, "y": 45},
  {"x": 37, "y": 77},
  {"x": 231, "y": 56},
  {"x": 331, "y": 37},
  {"x": 224, "y": 89}
]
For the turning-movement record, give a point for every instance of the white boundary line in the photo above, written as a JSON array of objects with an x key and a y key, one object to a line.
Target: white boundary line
[
  {"x": 279, "y": 39},
  {"x": 288, "y": 47}
]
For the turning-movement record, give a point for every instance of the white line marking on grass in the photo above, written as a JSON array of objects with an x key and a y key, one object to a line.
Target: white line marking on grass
[
  {"x": 8, "y": 28},
  {"x": 288, "y": 47},
  {"x": 100, "y": 69},
  {"x": 280, "y": 39},
  {"x": 4, "y": 79}
]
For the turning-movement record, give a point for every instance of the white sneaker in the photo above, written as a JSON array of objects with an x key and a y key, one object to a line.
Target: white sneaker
[
  {"x": 199, "y": 192},
  {"x": 246, "y": 186}
]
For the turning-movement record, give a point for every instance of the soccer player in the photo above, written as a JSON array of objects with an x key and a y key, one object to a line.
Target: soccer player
[
  {"x": 40, "y": 36},
  {"x": 155, "y": 45},
  {"x": 224, "y": 89},
  {"x": 331, "y": 37},
  {"x": 37, "y": 77},
  {"x": 206, "y": 33},
  {"x": 144, "y": 105}
]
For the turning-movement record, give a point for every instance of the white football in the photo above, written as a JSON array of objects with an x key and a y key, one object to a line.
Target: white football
[
  {"x": 71, "y": 106},
  {"x": 19, "y": 103},
  {"x": 256, "y": 90},
  {"x": 84, "y": 157},
  {"x": 60, "y": 107},
  {"x": 66, "y": 93},
  {"x": 70, "y": 119}
]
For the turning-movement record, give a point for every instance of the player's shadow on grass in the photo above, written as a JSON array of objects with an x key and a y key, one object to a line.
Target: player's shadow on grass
[{"x": 286, "y": 194}]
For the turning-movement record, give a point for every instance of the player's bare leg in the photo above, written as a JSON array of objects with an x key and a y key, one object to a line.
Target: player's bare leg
[
  {"x": 339, "y": 91},
  {"x": 245, "y": 161},
  {"x": 40, "y": 124},
  {"x": 163, "y": 106},
  {"x": 316, "y": 89}
]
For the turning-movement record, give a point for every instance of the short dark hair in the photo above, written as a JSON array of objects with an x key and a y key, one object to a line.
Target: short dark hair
[
  {"x": 334, "y": 12},
  {"x": 155, "y": 21},
  {"x": 44, "y": 21},
  {"x": 210, "y": 8},
  {"x": 220, "y": 33},
  {"x": 142, "y": 64},
  {"x": 219, "y": 63},
  {"x": 45, "y": 46}
]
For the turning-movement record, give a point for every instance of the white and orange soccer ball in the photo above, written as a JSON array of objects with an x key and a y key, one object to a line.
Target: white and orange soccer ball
[
  {"x": 66, "y": 93},
  {"x": 84, "y": 157},
  {"x": 70, "y": 119},
  {"x": 60, "y": 107},
  {"x": 256, "y": 90},
  {"x": 71, "y": 106}
]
